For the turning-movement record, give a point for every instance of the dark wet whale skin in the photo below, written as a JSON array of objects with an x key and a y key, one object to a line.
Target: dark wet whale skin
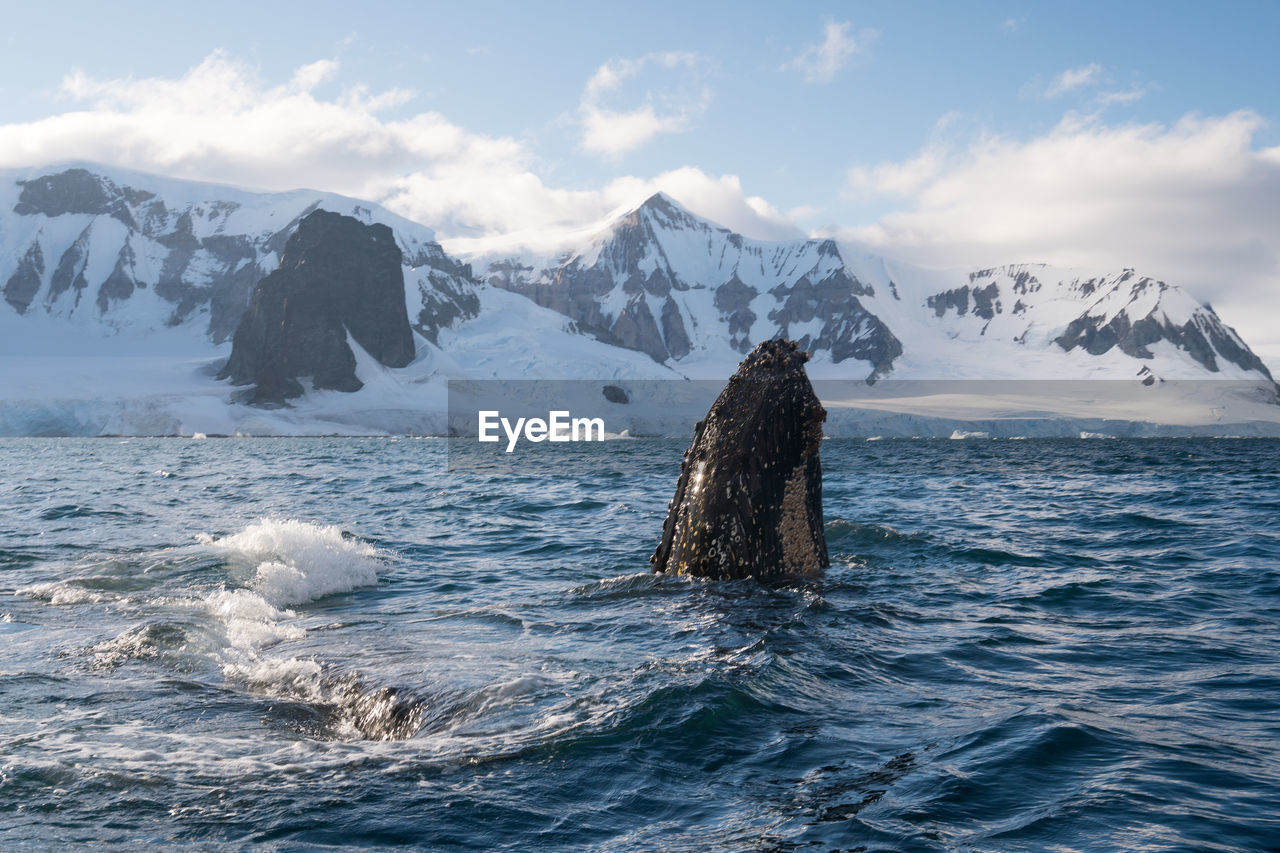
[{"x": 749, "y": 499}]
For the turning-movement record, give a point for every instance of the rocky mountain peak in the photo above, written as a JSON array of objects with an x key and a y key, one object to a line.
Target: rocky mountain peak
[
  {"x": 659, "y": 214},
  {"x": 664, "y": 209},
  {"x": 667, "y": 282},
  {"x": 660, "y": 203}
]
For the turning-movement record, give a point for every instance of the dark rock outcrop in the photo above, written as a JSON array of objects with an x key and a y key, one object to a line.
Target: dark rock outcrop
[
  {"x": 121, "y": 283},
  {"x": 336, "y": 276},
  {"x": 79, "y": 191},
  {"x": 673, "y": 331},
  {"x": 986, "y": 301},
  {"x": 70, "y": 271},
  {"x": 23, "y": 285},
  {"x": 848, "y": 329},
  {"x": 733, "y": 299}
]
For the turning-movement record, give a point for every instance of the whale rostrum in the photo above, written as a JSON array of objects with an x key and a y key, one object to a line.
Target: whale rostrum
[{"x": 749, "y": 499}]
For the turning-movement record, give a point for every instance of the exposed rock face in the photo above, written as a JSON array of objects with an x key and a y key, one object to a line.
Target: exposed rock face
[
  {"x": 79, "y": 191},
  {"x": 749, "y": 499},
  {"x": 1202, "y": 335},
  {"x": 646, "y": 284},
  {"x": 70, "y": 271},
  {"x": 130, "y": 249},
  {"x": 122, "y": 282},
  {"x": 336, "y": 276},
  {"x": 446, "y": 289},
  {"x": 23, "y": 285},
  {"x": 1105, "y": 315},
  {"x": 848, "y": 330},
  {"x": 986, "y": 302}
]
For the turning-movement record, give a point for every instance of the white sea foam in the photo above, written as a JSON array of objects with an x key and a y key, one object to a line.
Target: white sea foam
[
  {"x": 297, "y": 562},
  {"x": 59, "y": 593},
  {"x": 520, "y": 686},
  {"x": 285, "y": 563},
  {"x": 134, "y": 643},
  {"x": 250, "y": 625},
  {"x": 294, "y": 676},
  {"x": 251, "y": 622}
]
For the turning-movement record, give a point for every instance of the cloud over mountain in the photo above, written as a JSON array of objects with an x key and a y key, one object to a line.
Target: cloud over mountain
[
  {"x": 1197, "y": 202},
  {"x": 220, "y": 121}
]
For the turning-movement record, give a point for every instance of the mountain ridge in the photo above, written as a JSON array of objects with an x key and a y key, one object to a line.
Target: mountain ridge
[
  {"x": 195, "y": 249},
  {"x": 107, "y": 276},
  {"x": 634, "y": 284}
]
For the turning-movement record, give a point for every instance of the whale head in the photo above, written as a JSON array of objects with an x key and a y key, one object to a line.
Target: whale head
[{"x": 749, "y": 499}]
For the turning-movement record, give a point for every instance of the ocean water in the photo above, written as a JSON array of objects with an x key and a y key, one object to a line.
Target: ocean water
[{"x": 305, "y": 643}]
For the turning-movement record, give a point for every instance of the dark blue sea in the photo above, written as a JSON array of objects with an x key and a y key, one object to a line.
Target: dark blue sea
[{"x": 300, "y": 644}]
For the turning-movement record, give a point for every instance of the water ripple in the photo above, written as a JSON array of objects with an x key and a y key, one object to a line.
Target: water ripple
[{"x": 1021, "y": 645}]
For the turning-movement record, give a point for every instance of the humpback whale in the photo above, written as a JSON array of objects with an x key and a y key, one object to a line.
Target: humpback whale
[{"x": 749, "y": 499}]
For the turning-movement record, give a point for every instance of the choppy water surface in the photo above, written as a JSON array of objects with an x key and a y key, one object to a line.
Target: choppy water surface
[{"x": 1021, "y": 645}]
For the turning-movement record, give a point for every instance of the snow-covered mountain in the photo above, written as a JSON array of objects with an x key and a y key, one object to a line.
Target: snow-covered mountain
[
  {"x": 121, "y": 292},
  {"x": 697, "y": 296},
  {"x": 121, "y": 251}
]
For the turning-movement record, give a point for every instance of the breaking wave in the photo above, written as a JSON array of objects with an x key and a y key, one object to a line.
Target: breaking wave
[
  {"x": 285, "y": 563},
  {"x": 295, "y": 562}
]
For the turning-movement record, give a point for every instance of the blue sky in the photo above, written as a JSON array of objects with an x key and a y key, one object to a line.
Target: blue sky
[{"x": 1083, "y": 134}]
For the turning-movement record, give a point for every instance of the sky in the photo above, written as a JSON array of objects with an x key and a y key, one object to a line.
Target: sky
[{"x": 1091, "y": 135}]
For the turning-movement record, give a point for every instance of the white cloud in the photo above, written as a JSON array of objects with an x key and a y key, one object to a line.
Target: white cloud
[
  {"x": 220, "y": 122},
  {"x": 820, "y": 62},
  {"x": 1125, "y": 96},
  {"x": 567, "y": 216},
  {"x": 614, "y": 133},
  {"x": 803, "y": 212},
  {"x": 1194, "y": 203},
  {"x": 1092, "y": 77},
  {"x": 308, "y": 77},
  {"x": 898, "y": 179},
  {"x": 720, "y": 199},
  {"x": 611, "y": 131},
  {"x": 1074, "y": 78}
]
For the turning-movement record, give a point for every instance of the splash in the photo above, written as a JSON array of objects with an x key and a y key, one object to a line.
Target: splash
[
  {"x": 284, "y": 563},
  {"x": 297, "y": 562}
]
